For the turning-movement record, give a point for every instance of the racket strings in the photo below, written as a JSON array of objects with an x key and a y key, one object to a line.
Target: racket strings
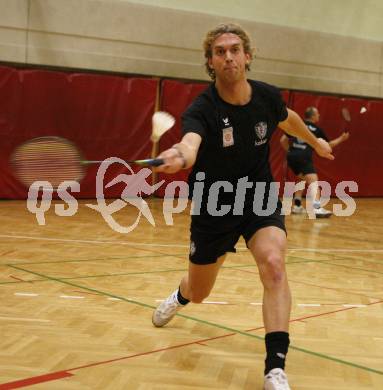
[{"x": 53, "y": 160}]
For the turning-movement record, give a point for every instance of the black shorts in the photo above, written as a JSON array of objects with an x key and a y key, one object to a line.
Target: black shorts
[
  {"x": 301, "y": 164},
  {"x": 212, "y": 237}
]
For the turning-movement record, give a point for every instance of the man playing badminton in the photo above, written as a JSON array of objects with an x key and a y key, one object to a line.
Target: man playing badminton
[
  {"x": 300, "y": 161},
  {"x": 226, "y": 135}
]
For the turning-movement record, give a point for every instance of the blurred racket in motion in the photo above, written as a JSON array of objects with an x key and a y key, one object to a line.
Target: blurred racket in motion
[{"x": 56, "y": 159}]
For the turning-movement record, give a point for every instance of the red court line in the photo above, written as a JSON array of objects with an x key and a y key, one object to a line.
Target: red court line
[
  {"x": 150, "y": 352},
  {"x": 63, "y": 374},
  {"x": 34, "y": 380},
  {"x": 6, "y": 253},
  {"x": 19, "y": 279},
  {"x": 157, "y": 252},
  {"x": 320, "y": 315}
]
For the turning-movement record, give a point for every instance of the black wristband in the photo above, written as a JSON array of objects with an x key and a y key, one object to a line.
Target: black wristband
[{"x": 181, "y": 156}]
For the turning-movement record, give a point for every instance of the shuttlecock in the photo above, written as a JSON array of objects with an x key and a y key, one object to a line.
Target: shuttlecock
[
  {"x": 363, "y": 110},
  {"x": 161, "y": 123}
]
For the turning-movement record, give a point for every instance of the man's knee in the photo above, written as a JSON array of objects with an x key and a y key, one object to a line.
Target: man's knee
[{"x": 272, "y": 268}]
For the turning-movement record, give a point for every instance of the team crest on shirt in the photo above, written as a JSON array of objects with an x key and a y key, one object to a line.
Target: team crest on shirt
[
  {"x": 261, "y": 131},
  {"x": 227, "y": 133},
  {"x": 227, "y": 137}
]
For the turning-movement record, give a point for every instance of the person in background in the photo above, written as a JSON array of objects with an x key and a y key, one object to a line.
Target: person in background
[{"x": 300, "y": 161}]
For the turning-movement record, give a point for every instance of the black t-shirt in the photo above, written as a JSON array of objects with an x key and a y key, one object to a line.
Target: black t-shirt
[
  {"x": 299, "y": 148},
  {"x": 235, "y": 139}
]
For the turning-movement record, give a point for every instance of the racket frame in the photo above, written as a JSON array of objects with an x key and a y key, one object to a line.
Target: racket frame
[{"x": 82, "y": 163}]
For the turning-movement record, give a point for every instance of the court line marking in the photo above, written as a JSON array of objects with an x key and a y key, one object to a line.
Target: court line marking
[
  {"x": 16, "y": 278},
  {"x": 330, "y": 262},
  {"x": 226, "y": 328},
  {"x": 340, "y": 250},
  {"x": 113, "y": 258},
  {"x": 354, "y": 305},
  {"x": 34, "y": 380},
  {"x": 124, "y": 258},
  {"x": 24, "y": 294},
  {"x": 233, "y": 267},
  {"x": 101, "y": 242},
  {"x": 71, "y": 297},
  {"x": 62, "y": 374},
  {"x": 23, "y": 319},
  {"x": 330, "y": 258},
  {"x": 204, "y": 302},
  {"x": 339, "y": 290},
  {"x": 378, "y": 250},
  {"x": 207, "y": 302}
]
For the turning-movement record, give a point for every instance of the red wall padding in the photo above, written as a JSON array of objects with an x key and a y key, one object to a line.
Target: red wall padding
[
  {"x": 359, "y": 158},
  {"x": 106, "y": 116},
  {"x": 111, "y": 116}
]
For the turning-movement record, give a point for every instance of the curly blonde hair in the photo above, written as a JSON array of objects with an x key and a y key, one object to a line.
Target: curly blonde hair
[{"x": 225, "y": 28}]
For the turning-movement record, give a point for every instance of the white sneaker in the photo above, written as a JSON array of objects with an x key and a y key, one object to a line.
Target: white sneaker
[
  {"x": 298, "y": 209},
  {"x": 166, "y": 310},
  {"x": 276, "y": 379},
  {"x": 322, "y": 213}
]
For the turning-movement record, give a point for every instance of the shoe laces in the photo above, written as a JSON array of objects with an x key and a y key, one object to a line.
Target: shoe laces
[
  {"x": 169, "y": 305},
  {"x": 279, "y": 379}
]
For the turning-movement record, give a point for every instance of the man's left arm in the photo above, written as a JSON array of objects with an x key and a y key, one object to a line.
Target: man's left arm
[{"x": 295, "y": 126}]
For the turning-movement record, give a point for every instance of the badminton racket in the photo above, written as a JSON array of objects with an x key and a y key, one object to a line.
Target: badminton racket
[{"x": 55, "y": 159}]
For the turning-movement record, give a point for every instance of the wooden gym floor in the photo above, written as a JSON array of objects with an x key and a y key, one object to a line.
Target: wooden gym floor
[{"x": 77, "y": 300}]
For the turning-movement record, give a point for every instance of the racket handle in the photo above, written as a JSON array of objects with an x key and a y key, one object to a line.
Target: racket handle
[
  {"x": 150, "y": 162},
  {"x": 156, "y": 162}
]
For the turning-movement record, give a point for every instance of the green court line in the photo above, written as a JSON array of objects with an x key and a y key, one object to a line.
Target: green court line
[
  {"x": 131, "y": 273},
  {"x": 111, "y": 275},
  {"x": 380, "y": 262},
  {"x": 357, "y": 268},
  {"x": 24, "y": 281},
  {"x": 226, "y": 328},
  {"x": 329, "y": 262},
  {"x": 143, "y": 272},
  {"x": 98, "y": 259}
]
